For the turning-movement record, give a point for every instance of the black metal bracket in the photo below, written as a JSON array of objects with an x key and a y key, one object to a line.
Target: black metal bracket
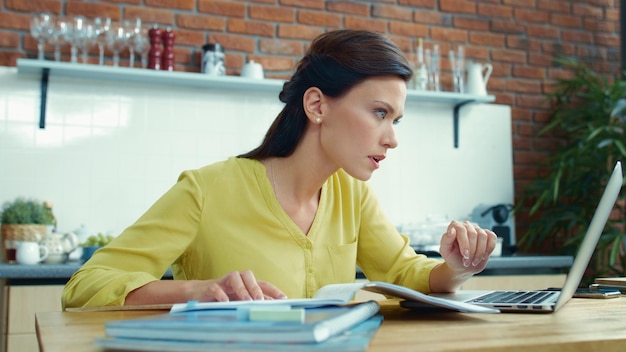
[
  {"x": 45, "y": 73},
  {"x": 455, "y": 121}
]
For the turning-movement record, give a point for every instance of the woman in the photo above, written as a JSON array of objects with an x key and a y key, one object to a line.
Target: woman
[{"x": 293, "y": 214}]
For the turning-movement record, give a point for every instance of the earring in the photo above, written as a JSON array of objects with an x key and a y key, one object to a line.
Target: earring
[{"x": 318, "y": 119}]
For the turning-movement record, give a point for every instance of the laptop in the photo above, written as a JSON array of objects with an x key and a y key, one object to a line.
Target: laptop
[{"x": 550, "y": 301}]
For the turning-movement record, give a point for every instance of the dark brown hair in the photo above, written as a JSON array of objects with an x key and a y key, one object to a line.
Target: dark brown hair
[{"x": 335, "y": 62}]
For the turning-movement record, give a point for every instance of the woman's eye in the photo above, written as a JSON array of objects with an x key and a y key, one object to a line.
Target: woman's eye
[{"x": 381, "y": 113}]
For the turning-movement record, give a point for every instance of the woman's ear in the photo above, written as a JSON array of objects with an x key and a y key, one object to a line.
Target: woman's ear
[{"x": 312, "y": 101}]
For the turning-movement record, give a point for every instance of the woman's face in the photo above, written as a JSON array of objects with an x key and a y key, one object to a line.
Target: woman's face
[{"x": 358, "y": 127}]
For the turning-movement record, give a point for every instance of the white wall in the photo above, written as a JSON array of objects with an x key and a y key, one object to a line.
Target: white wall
[{"x": 110, "y": 149}]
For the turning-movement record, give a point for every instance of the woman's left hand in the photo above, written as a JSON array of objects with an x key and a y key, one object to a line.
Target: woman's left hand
[{"x": 466, "y": 247}]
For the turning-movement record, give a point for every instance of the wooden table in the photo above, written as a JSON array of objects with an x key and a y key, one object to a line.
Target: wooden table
[{"x": 581, "y": 325}]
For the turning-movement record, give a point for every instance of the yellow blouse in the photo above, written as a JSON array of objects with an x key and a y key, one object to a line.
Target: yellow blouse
[{"x": 225, "y": 217}]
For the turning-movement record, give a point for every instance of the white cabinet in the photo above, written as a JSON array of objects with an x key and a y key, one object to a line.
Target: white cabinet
[{"x": 22, "y": 303}]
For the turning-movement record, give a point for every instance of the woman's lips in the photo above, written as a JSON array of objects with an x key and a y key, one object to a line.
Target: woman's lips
[{"x": 376, "y": 159}]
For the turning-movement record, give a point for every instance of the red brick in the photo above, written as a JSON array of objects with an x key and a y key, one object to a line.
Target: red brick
[
  {"x": 508, "y": 27},
  {"x": 429, "y": 4},
  {"x": 9, "y": 39},
  {"x": 224, "y": 8},
  {"x": 235, "y": 25},
  {"x": 391, "y": 12},
  {"x": 408, "y": 29},
  {"x": 526, "y": 44},
  {"x": 9, "y": 58},
  {"x": 281, "y": 47},
  {"x": 172, "y": 4},
  {"x": 187, "y": 37},
  {"x": 51, "y": 6},
  {"x": 457, "y": 6},
  {"x": 353, "y": 22},
  {"x": 203, "y": 22},
  {"x": 491, "y": 11},
  {"x": 272, "y": 63},
  {"x": 566, "y": 21},
  {"x": 487, "y": 39},
  {"x": 559, "y": 6},
  {"x": 587, "y": 10},
  {"x": 599, "y": 26},
  {"x": 448, "y": 35},
  {"x": 92, "y": 10},
  {"x": 319, "y": 18},
  {"x": 611, "y": 40},
  {"x": 577, "y": 36},
  {"x": 537, "y": 73},
  {"x": 471, "y": 23},
  {"x": 611, "y": 14},
  {"x": 540, "y": 59},
  {"x": 310, "y": 4},
  {"x": 298, "y": 31},
  {"x": 525, "y": 100},
  {"x": 519, "y": 3},
  {"x": 524, "y": 86},
  {"x": 348, "y": 7},
  {"x": 542, "y": 31},
  {"x": 530, "y": 15},
  {"x": 427, "y": 17},
  {"x": 15, "y": 21},
  {"x": 150, "y": 15},
  {"x": 271, "y": 13},
  {"x": 233, "y": 42}
]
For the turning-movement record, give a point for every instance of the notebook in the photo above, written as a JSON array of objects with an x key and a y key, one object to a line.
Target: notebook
[{"x": 550, "y": 301}]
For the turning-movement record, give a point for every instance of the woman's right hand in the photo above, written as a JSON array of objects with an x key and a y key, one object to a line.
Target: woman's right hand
[{"x": 235, "y": 286}]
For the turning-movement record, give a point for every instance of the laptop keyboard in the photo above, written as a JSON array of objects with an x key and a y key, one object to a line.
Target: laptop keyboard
[{"x": 514, "y": 297}]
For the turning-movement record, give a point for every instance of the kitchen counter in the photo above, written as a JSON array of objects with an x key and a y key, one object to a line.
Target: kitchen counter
[
  {"x": 43, "y": 273},
  {"x": 515, "y": 265}
]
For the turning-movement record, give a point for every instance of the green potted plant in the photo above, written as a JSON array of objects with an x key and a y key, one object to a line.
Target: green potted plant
[
  {"x": 588, "y": 119},
  {"x": 24, "y": 220}
]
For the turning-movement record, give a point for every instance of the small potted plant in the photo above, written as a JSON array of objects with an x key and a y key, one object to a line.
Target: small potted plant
[
  {"x": 93, "y": 243},
  {"x": 24, "y": 220}
]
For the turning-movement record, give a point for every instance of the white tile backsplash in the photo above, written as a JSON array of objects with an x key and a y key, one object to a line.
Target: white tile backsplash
[{"x": 110, "y": 149}]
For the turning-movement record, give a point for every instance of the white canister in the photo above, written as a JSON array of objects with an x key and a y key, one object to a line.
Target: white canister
[{"x": 252, "y": 70}]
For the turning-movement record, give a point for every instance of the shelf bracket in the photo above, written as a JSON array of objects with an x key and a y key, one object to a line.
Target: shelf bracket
[
  {"x": 45, "y": 73},
  {"x": 455, "y": 121}
]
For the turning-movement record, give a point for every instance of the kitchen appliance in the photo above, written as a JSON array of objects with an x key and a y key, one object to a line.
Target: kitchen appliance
[
  {"x": 499, "y": 219},
  {"x": 213, "y": 59}
]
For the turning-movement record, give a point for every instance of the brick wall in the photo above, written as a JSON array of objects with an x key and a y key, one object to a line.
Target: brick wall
[{"x": 519, "y": 37}]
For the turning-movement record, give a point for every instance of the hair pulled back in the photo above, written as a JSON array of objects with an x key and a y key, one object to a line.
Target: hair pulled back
[{"x": 335, "y": 62}]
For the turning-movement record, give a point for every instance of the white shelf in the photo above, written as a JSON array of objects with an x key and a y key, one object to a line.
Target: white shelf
[
  {"x": 191, "y": 79},
  {"x": 142, "y": 75},
  {"x": 45, "y": 68}
]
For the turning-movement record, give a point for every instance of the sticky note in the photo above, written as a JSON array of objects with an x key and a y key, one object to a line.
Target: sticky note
[{"x": 276, "y": 314}]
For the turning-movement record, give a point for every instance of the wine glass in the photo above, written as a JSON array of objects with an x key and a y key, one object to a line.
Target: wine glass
[
  {"x": 141, "y": 44},
  {"x": 133, "y": 29},
  {"x": 56, "y": 39},
  {"x": 432, "y": 62},
  {"x": 457, "y": 65},
  {"x": 101, "y": 26},
  {"x": 41, "y": 27},
  {"x": 85, "y": 38},
  {"x": 73, "y": 36},
  {"x": 117, "y": 40}
]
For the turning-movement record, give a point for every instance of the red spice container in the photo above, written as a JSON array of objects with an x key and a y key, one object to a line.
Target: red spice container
[
  {"x": 167, "y": 60},
  {"x": 156, "y": 51}
]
